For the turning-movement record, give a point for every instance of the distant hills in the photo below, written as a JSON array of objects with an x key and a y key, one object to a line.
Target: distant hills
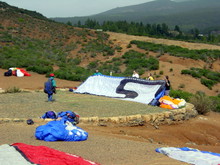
[{"x": 201, "y": 14}]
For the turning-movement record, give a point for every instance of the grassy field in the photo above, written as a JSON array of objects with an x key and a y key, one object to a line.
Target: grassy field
[{"x": 34, "y": 104}]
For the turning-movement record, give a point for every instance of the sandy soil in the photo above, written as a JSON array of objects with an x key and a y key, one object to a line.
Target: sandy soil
[
  {"x": 117, "y": 145},
  {"x": 34, "y": 82},
  {"x": 124, "y": 39},
  {"x": 176, "y": 64},
  {"x": 127, "y": 145}
]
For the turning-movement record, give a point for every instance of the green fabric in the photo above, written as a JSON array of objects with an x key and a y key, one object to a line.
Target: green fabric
[{"x": 53, "y": 82}]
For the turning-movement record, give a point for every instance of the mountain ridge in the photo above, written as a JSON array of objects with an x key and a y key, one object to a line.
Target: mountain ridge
[{"x": 160, "y": 11}]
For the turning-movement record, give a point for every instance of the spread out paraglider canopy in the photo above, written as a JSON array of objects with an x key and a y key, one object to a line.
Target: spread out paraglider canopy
[{"x": 126, "y": 88}]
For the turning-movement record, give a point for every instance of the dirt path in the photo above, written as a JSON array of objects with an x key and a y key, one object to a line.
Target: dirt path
[
  {"x": 124, "y": 39},
  {"x": 100, "y": 147},
  {"x": 127, "y": 145}
]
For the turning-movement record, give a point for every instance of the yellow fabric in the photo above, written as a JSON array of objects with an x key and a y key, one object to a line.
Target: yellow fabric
[
  {"x": 170, "y": 103},
  {"x": 150, "y": 78}
]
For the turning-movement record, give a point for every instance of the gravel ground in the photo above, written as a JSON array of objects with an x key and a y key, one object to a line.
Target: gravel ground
[{"x": 100, "y": 148}]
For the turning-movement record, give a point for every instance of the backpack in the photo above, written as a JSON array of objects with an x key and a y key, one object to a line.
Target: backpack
[
  {"x": 8, "y": 73},
  {"x": 69, "y": 116},
  {"x": 48, "y": 88},
  {"x": 50, "y": 115}
]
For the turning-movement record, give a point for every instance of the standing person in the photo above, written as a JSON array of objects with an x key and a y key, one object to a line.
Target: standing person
[
  {"x": 167, "y": 85},
  {"x": 150, "y": 77},
  {"x": 50, "y": 87},
  {"x": 135, "y": 74},
  {"x": 97, "y": 73}
]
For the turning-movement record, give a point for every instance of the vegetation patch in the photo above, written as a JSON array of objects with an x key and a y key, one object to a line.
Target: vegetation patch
[
  {"x": 178, "y": 51},
  {"x": 138, "y": 61},
  {"x": 207, "y": 77}
]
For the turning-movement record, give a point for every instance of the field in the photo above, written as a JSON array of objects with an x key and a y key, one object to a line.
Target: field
[{"x": 105, "y": 145}]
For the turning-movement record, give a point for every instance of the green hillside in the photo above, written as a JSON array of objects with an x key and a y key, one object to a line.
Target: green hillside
[
  {"x": 31, "y": 41},
  {"x": 201, "y": 14}
]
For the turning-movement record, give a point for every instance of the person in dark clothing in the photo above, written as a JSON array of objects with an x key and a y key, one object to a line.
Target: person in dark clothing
[
  {"x": 50, "y": 87},
  {"x": 167, "y": 85}
]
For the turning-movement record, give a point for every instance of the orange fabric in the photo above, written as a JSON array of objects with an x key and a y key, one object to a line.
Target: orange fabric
[
  {"x": 169, "y": 103},
  {"x": 166, "y": 106}
]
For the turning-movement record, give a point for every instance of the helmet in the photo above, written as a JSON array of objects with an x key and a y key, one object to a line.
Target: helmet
[
  {"x": 51, "y": 75},
  {"x": 30, "y": 122}
]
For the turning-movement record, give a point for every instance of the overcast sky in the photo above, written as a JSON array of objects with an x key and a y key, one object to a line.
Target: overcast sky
[{"x": 71, "y": 8}]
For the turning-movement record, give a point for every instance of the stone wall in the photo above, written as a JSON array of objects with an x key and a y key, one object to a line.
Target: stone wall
[
  {"x": 167, "y": 117},
  {"x": 156, "y": 119}
]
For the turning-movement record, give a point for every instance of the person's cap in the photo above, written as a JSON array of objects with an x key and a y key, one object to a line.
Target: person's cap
[{"x": 51, "y": 75}]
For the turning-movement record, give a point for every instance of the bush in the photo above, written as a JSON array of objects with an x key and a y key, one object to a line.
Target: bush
[
  {"x": 216, "y": 103},
  {"x": 40, "y": 69},
  {"x": 181, "y": 94},
  {"x": 181, "y": 86},
  {"x": 202, "y": 103},
  {"x": 13, "y": 90},
  {"x": 136, "y": 60},
  {"x": 208, "y": 83}
]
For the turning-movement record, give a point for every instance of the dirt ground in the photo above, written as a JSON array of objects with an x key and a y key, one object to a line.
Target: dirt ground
[{"x": 117, "y": 145}]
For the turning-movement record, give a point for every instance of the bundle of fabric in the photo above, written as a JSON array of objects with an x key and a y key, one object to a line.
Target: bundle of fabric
[
  {"x": 70, "y": 116},
  {"x": 16, "y": 72},
  {"x": 24, "y": 154},
  {"x": 192, "y": 156},
  {"x": 171, "y": 103},
  {"x": 49, "y": 115},
  {"x": 60, "y": 130}
]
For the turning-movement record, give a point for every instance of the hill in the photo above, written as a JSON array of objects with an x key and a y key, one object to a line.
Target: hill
[
  {"x": 44, "y": 46},
  {"x": 200, "y": 14}
]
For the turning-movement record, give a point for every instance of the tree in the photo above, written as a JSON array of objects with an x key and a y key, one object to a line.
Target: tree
[
  {"x": 69, "y": 23},
  {"x": 177, "y": 28}
]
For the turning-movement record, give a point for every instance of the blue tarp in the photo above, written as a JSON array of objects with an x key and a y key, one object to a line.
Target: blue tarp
[{"x": 60, "y": 130}]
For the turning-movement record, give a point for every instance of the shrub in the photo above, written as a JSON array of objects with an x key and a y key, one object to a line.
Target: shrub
[
  {"x": 216, "y": 103},
  {"x": 208, "y": 83},
  {"x": 93, "y": 65},
  {"x": 202, "y": 103},
  {"x": 129, "y": 46},
  {"x": 136, "y": 60},
  {"x": 182, "y": 86},
  {"x": 161, "y": 72},
  {"x": 40, "y": 69},
  {"x": 181, "y": 94},
  {"x": 13, "y": 90}
]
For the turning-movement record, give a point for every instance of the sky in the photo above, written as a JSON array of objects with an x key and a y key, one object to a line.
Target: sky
[{"x": 71, "y": 8}]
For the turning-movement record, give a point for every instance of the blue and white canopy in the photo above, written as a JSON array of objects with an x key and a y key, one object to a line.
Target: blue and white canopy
[{"x": 126, "y": 88}]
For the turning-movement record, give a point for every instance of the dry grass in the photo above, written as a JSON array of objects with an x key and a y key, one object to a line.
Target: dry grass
[{"x": 33, "y": 105}]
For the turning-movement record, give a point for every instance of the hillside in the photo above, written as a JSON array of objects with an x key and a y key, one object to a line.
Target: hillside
[
  {"x": 43, "y": 46},
  {"x": 186, "y": 14}
]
